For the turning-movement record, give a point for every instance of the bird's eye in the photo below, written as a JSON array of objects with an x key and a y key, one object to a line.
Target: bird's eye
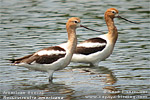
[
  {"x": 75, "y": 21},
  {"x": 113, "y": 12}
]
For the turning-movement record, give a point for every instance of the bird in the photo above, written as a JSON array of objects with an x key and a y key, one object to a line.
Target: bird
[
  {"x": 55, "y": 57},
  {"x": 97, "y": 49}
]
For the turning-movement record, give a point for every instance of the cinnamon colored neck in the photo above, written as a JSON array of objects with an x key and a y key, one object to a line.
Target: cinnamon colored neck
[
  {"x": 112, "y": 30},
  {"x": 72, "y": 39}
]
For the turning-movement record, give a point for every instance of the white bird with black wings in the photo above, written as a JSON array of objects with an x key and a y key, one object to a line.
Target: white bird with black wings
[
  {"x": 52, "y": 58},
  {"x": 96, "y": 49}
]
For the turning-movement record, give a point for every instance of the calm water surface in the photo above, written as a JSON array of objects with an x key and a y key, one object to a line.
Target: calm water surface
[{"x": 30, "y": 25}]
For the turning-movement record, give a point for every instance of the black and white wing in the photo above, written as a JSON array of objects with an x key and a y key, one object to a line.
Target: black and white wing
[
  {"x": 44, "y": 56},
  {"x": 91, "y": 46}
]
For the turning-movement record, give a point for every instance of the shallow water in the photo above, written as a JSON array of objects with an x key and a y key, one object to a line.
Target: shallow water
[{"x": 30, "y": 25}]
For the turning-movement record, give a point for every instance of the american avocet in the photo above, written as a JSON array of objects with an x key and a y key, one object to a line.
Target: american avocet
[
  {"x": 52, "y": 58},
  {"x": 96, "y": 49}
]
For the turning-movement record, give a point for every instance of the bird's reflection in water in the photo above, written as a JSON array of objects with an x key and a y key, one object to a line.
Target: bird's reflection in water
[
  {"x": 77, "y": 82},
  {"x": 52, "y": 91},
  {"x": 103, "y": 74}
]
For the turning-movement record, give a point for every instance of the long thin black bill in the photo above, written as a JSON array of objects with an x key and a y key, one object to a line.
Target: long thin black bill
[
  {"x": 89, "y": 28},
  {"x": 127, "y": 20}
]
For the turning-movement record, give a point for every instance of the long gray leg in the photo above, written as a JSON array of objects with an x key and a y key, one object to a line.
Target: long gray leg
[
  {"x": 94, "y": 64},
  {"x": 50, "y": 73}
]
